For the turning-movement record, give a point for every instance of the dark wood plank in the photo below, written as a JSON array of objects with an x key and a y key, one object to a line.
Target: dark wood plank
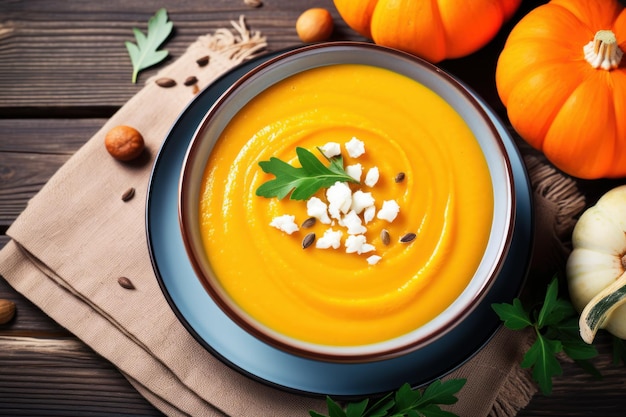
[
  {"x": 62, "y": 377},
  {"x": 31, "y": 151},
  {"x": 29, "y": 320},
  {"x": 91, "y": 66},
  {"x": 46, "y": 135},
  {"x": 577, "y": 393}
]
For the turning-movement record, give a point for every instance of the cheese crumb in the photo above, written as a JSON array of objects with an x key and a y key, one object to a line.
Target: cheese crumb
[
  {"x": 388, "y": 211},
  {"x": 357, "y": 244},
  {"x": 351, "y": 211},
  {"x": 361, "y": 201},
  {"x": 315, "y": 207},
  {"x": 355, "y": 171},
  {"x": 286, "y": 223},
  {"x": 330, "y": 239},
  {"x": 372, "y": 176},
  {"x": 373, "y": 259},
  {"x": 368, "y": 214},
  {"x": 331, "y": 149},
  {"x": 355, "y": 147},
  {"x": 353, "y": 223},
  {"x": 339, "y": 196}
]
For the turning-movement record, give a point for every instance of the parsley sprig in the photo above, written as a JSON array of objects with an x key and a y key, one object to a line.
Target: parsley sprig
[
  {"x": 302, "y": 182},
  {"x": 145, "y": 54},
  {"x": 405, "y": 402},
  {"x": 556, "y": 328}
]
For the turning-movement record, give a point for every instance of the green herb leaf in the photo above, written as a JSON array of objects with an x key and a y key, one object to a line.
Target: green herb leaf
[
  {"x": 405, "y": 402},
  {"x": 302, "y": 182},
  {"x": 144, "y": 54},
  {"x": 568, "y": 332},
  {"x": 541, "y": 357},
  {"x": 555, "y": 323},
  {"x": 356, "y": 409},
  {"x": 513, "y": 315},
  {"x": 549, "y": 304},
  {"x": 443, "y": 392}
]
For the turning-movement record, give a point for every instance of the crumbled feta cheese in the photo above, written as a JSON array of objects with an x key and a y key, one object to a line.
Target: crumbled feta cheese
[
  {"x": 330, "y": 239},
  {"x": 357, "y": 244},
  {"x": 315, "y": 207},
  {"x": 388, "y": 211},
  {"x": 339, "y": 196},
  {"x": 355, "y": 171},
  {"x": 371, "y": 178},
  {"x": 331, "y": 149},
  {"x": 368, "y": 214},
  {"x": 355, "y": 147},
  {"x": 351, "y": 211},
  {"x": 367, "y": 248},
  {"x": 373, "y": 259},
  {"x": 353, "y": 223},
  {"x": 286, "y": 223},
  {"x": 361, "y": 201}
]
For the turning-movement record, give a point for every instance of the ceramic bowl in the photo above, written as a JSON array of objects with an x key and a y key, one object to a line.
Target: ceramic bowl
[{"x": 324, "y": 54}]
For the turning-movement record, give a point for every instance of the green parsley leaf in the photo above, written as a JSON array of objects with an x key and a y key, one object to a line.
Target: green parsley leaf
[
  {"x": 144, "y": 54},
  {"x": 513, "y": 315},
  {"x": 555, "y": 323},
  {"x": 568, "y": 332},
  {"x": 302, "y": 182},
  {"x": 541, "y": 357},
  {"x": 405, "y": 402}
]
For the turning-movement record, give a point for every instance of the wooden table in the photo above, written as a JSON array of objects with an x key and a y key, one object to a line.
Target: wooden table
[{"x": 63, "y": 71}]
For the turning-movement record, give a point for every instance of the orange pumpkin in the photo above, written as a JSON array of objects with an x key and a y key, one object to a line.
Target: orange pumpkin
[
  {"x": 563, "y": 81},
  {"x": 432, "y": 29}
]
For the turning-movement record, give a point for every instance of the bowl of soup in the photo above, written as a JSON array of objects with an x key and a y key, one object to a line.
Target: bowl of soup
[{"x": 347, "y": 202}]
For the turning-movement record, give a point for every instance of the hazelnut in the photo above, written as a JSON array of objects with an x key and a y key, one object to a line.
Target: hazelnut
[
  {"x": 124, "y": 143},
  {"x": 7, "y": 311},
  {"x": 314, "y": 25}
]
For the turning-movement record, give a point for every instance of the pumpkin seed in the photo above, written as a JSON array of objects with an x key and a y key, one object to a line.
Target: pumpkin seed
[
  {"x": 308, "y": 223},
  {"x": 191, "y": 80},
  {"x": 125, "y": 283},
  {"x": 204, "y": 61},
  {"x": 384, "y": 237},
  {"x": 128, "y": 194},
  {"x": 408, "y": 237},
  {"x": 308, "y": 240},
  {"x": 165, "y": 82}
]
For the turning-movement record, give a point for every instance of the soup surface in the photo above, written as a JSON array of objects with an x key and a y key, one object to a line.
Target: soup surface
[{"x": 328, "y": 296}]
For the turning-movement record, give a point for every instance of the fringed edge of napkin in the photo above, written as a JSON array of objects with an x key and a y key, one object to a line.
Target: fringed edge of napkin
[
  {"x": 558, "y": 189},
  {"x": 518, "y": 388},
  {"x": 238, "y": 45},
  {"x": 557, "y": 204}
]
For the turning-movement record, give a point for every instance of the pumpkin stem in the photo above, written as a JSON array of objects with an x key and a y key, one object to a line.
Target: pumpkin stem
[{"x": 603, "y": 51}]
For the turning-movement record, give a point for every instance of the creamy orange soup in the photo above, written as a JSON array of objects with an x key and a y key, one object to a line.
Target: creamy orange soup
[{"x": 328, "y": 296}]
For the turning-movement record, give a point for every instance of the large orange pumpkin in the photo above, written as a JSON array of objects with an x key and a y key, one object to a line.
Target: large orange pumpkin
[
  {"x": 563, "y": 81},
  {"x": 432, "y": 29}
]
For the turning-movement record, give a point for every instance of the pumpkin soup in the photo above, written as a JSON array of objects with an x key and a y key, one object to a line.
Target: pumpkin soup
[{"x": 410, "y": 262}]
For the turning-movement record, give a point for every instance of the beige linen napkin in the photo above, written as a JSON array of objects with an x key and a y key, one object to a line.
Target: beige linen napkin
[{"x": 77, "y": 236}]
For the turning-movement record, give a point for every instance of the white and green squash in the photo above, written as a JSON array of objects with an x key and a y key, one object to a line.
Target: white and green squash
[{"x": 596, "y": 268}]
